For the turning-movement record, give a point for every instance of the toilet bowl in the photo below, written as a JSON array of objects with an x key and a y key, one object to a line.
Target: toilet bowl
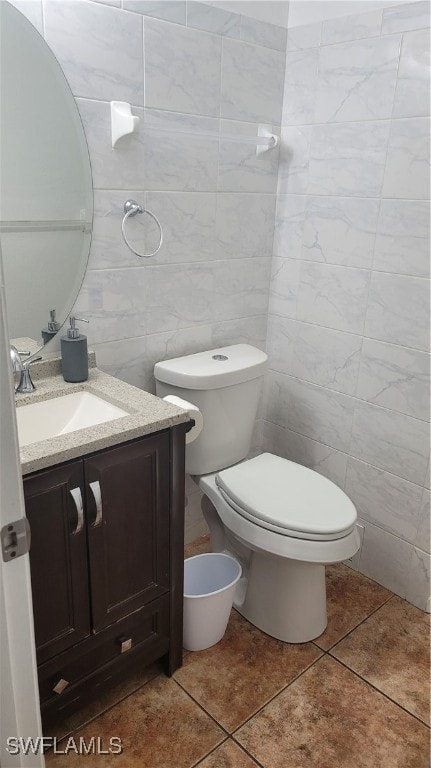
[
  {"x": 283, "y": 590},
  {"x": 283, "y": 521}
]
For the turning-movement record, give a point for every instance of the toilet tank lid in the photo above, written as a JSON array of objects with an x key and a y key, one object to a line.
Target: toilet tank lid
[{"x": 213, "y": 369}]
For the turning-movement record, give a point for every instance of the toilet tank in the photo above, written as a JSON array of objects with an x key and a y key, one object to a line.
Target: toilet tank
[{"x": 225, "y": 385}]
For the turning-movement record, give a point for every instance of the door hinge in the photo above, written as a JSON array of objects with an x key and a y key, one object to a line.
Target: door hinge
[{"x": 15, "y": 539}]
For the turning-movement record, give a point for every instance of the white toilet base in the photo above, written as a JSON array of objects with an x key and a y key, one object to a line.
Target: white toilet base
[
  {"x": 283, "y": 590},
  {"x": 285, "y": 598}
]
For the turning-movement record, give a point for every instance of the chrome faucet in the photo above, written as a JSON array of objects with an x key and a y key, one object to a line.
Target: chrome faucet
[{"x": 25, "y": 383}]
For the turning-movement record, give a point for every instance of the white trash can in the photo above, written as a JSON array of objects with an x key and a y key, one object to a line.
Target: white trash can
[{"x": 209, "y": 589}]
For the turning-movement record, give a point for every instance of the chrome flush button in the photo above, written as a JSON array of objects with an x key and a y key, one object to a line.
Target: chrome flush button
[{"x": 220, "y": 357}]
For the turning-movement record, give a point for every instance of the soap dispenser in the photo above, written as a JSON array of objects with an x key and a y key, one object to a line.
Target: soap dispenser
[
  {"x": 74, "y": 353},
  {"x": 52, "y": 327}
]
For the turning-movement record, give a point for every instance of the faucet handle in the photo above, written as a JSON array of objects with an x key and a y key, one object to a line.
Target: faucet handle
[
  {"x": 15, "y": 358},
  {"x": 31, "y": 360},
  {"x": 25, "y": 383}
]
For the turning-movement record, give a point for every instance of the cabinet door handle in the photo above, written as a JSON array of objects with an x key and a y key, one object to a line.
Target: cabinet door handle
[
  {"x": 77, "y": 498},
  {"x": 60, "y": 686},
  {"x": 97, "y": 493}
]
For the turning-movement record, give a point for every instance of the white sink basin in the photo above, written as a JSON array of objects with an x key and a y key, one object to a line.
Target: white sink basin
[{"x": 60, "y": 415}]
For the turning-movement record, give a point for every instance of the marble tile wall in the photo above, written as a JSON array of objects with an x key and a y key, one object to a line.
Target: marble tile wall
[
  {"x": 348, "y": 329},
  {"x": 196, "y": 76},
  {"x": 205, "y": 72}
]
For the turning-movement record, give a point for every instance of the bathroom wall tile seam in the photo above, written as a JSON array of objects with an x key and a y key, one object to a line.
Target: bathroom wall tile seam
[
  {"x": 218, "y": 192},
  {"x": 144, "y": 73},
  {"x": 340, "y": 123},
  {"x": 412, "y": 541},
  {"x": 170, "y": 265},
  {"x": 349, "y": 333},
  {"x": 362, "y": 269},
  {"x": 182, "y": 329},
  {"x": 350, "y": 451},
  {"x": 353, "y": 40},
  {"x": 366, "y": 519},
  {"x": 347, "y": 455},
  {"x": 233, "y": 322},
  {"x": 228, "y": 323},
  {"x": 355, "y": 400},
  {"x": 234, "y": 16},
  {"x": 362, "y": 567},
  {"x": 375, "y": 235},
  {"x": 349, "y": 266},
  {"x": 356, "y": 40},
  {"x": 413, "y": 547},
  {"x": 378, "y": 34},
  {"x": 355, "y": 396},
  {"x": 197, "y": 29},
  {"x": 362, "y": 335},
  {"x": 351, "y": 197},
  {"x": 220, "y": 99},
  {"x": 325, "y": 431},
  {"x": 200, "y": 34}
]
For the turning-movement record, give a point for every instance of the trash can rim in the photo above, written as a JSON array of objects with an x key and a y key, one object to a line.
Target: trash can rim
[{"x": 215, "y": 591}]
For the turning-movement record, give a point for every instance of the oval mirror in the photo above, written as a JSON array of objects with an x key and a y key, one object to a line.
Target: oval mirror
[{"x": 46, "y": 197}]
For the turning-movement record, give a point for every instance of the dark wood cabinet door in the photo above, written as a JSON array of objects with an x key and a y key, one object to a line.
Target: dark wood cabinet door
[
  {"x": 58, "y": 558},
  {"x": 127, "y": 499}
]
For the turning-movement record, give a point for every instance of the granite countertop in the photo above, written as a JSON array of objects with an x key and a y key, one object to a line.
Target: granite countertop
[{"x": 147, "y": 413}]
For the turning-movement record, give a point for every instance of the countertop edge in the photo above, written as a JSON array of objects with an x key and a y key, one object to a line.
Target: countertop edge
[{"x": 146, "y": 414}]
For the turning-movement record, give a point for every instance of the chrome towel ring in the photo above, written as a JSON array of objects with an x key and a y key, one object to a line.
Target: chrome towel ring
[{"x": 131, "y": 208}]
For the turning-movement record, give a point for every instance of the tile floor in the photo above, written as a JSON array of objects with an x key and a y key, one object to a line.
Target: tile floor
[{"x": 357, "y": 697}]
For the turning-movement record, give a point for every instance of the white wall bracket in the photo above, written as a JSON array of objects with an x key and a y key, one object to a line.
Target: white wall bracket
[
  {"x": 267, "y": 132},
  {"x": 122, "y": 121}
]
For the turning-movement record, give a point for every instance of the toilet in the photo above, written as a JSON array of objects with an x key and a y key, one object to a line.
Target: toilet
[{"x": 282, "y": 521}]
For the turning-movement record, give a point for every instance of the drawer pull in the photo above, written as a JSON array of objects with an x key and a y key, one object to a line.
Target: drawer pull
[
  {"x": 125, "y": 643},
  {"x": 77, "y": 498},
  {"x": 97, "y": 494},
  {"x": 60, "y": 686}
]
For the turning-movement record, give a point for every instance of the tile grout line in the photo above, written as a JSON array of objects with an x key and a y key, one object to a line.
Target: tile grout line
[
  {"x": 211, "y": 752},
  {"x": 322, "y": 653},
  {"x": 357, "y": 400},
  {"x": 226, "y": 741},
  {"x": 344, "y": 453},
  {"x": 195, "y": 701},
  {"x": 382, "y": 693},
  {"x": 269, "y": 701},
  {"x": 250, "y": 755},
  {"x": 388, "y": 599},
  {"x": 328, "y": 327},
  {"x": 108, "y": 709},
  {"x": 229, "y": 735}
]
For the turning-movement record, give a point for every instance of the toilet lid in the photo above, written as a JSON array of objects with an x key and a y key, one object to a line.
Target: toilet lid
[{"x": 284, "y": 496}]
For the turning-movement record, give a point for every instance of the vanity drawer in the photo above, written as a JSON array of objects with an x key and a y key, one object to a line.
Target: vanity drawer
[{"x": 148, "y": 627}]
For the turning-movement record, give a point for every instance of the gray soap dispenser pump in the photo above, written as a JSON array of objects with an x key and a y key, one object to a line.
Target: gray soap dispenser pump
[
  {"x": 52, "y": 327},
  {"x": 74, "y": 353}
]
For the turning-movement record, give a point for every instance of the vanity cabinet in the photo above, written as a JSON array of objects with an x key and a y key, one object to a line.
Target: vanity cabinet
[
  {"x": 106, "y": 562},
  {"x": 127, "y": 505},
  {"x": 58, "y": 559}
]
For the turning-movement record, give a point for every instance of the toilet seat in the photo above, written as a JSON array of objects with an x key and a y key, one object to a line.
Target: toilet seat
[{"x": 287, "y": 498}]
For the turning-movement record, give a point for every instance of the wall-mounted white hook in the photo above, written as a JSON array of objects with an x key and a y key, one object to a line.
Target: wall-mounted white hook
[
  {"x": 122, "y": 120},
  {"x": 267, "y": 132}
]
